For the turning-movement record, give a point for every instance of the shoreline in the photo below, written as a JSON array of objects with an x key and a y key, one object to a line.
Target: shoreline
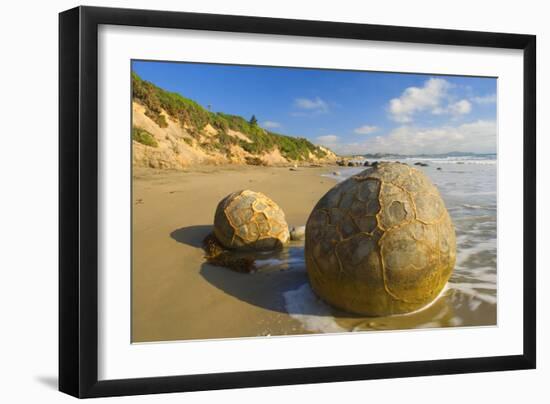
[{"x": 178, "y": 296}]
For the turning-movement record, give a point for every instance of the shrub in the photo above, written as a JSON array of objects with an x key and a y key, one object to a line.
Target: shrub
[
  {"x": 144, "y": 137},
  {"x": 159, "y": 119},
  {"x": 225, "y": 139},
  {"x": 254, "y": 161}
]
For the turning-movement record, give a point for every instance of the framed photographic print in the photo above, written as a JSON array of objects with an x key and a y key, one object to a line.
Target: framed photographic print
[{"x": 251, "y": 201}]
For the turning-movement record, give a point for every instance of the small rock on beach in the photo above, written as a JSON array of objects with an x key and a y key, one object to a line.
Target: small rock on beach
[{"x": 298, "y": 233}]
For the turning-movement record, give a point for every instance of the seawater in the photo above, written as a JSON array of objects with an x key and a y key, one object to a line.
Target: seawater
[{"x": 469, "y": 188}]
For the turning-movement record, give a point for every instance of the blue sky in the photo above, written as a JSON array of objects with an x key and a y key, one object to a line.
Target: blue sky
[{"x": 348, "y": 111}]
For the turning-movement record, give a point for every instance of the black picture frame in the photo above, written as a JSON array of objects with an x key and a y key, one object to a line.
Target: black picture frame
[{"x": 78, "y": 201}]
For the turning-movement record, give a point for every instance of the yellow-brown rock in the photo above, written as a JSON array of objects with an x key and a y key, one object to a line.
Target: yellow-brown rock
[
  {"x": 248, "y": 220},
  {"x": 381, "y": 242}
]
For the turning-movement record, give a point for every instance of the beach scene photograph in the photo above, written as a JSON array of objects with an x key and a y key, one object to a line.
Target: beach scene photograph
[{"x": 279, "y": 201}]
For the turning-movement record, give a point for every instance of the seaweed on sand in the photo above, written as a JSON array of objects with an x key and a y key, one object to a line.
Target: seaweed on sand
[{"x": 218, "y": 255}]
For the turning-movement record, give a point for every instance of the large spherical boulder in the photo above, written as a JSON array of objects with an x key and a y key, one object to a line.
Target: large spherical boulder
[
  {"x": 381, "y": 242},
  {"x": 248, "y": 220}
]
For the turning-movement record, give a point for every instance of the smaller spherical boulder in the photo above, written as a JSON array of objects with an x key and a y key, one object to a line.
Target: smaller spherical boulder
[{"x": 248, "y": 220}]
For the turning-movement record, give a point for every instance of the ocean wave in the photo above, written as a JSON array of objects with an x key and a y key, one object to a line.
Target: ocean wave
[
  {"x": 454, "y": 160},
  {"x": 472, "y": 206},
  {"x": 313, "y": 314},
  {"x": 471, "y": 290},
  {"x": 469, "y": 244}
]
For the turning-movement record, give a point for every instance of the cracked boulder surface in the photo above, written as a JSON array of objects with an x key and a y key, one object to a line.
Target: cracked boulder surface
[
  {"x": 381, "y": 242},
  {"x": 248, "y": 220}
]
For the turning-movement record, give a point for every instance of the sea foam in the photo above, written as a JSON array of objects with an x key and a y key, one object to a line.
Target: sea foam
[{"x": 314, "y": 315}]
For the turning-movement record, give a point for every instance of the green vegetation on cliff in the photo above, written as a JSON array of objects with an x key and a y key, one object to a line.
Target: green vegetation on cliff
[
  {"x": 186, "y": 111},
  {"x": 143, "y": 137}
]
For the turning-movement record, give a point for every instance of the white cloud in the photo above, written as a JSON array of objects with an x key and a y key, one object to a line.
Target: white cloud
[
  {"x": 271, "y": 125},
  {"x": 328, "y": 140},
  {"x": 461, "y": 107},
  {"x": 478, "y": 136},
  {"x": 455, "y": 109},
  {"x": 433, "y": 97},
  {"x": 415, "y": 99},
  {"x": 365, "y": 130},
  {"x": 313, "y": 105},
  {"x": 486, "y": 99}
]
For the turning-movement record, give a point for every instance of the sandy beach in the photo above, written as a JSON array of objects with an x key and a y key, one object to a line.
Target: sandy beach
[{"x": 176, "y": 295}]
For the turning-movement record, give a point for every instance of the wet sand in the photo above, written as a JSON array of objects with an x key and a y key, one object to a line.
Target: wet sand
[{"x": 175, "y": 294}]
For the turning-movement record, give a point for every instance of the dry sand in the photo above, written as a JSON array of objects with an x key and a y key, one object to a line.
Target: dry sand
[{"x": 175, "y": 294}]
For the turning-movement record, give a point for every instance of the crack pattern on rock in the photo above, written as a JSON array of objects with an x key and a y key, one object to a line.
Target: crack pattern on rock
[
  {"x": 250, "y": 220},
  {"x": 407, "y": 268}
]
